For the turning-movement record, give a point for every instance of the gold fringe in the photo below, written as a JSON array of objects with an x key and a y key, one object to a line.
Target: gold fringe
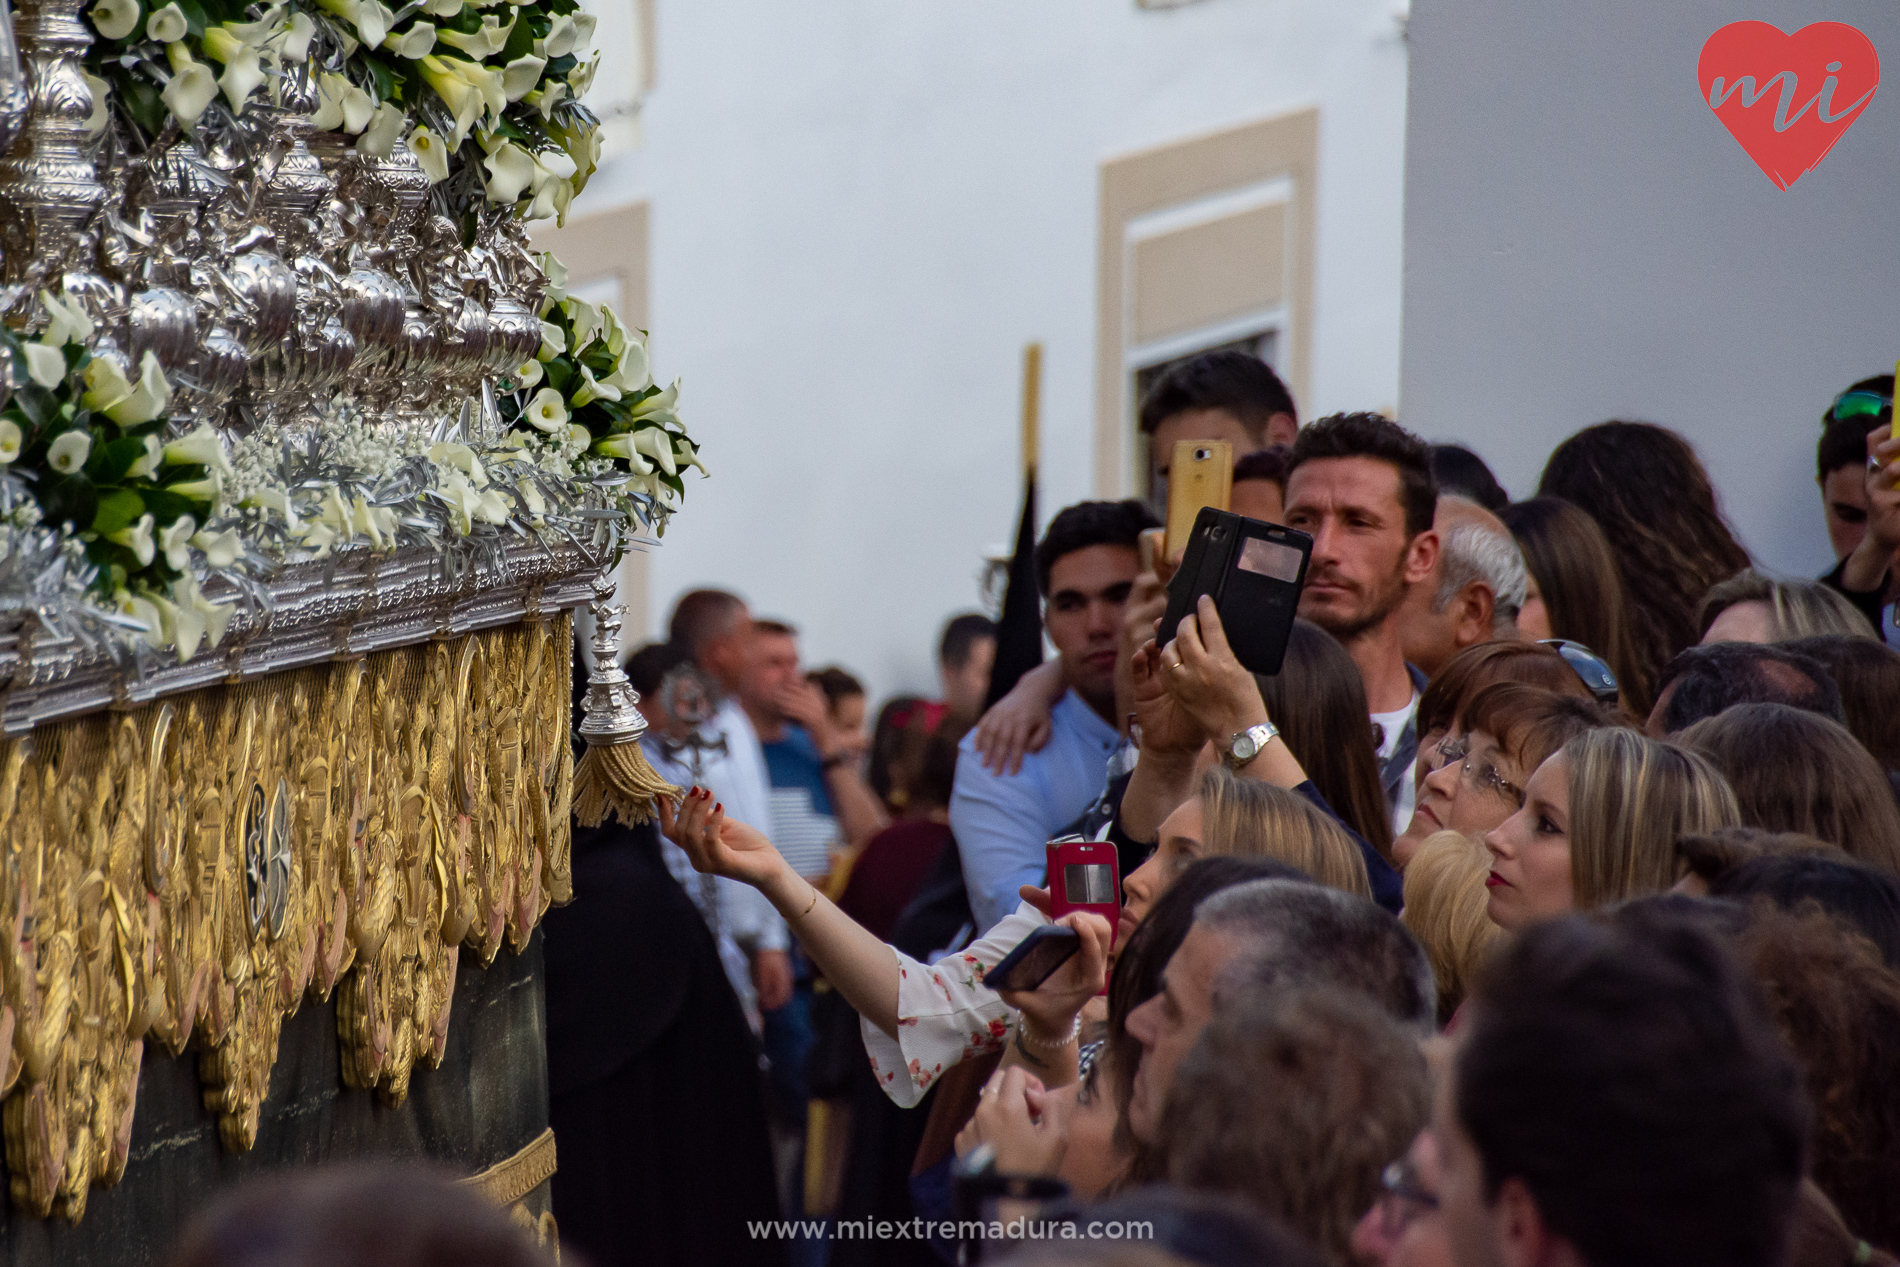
[
  {"x": 190, "y": 872},
  {"x": 616, "y": 779}
]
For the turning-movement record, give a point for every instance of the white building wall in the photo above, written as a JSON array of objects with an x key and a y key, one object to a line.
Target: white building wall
[
  {"x": 860, "y": 212},
  {"x": 1585, "y": 241}
]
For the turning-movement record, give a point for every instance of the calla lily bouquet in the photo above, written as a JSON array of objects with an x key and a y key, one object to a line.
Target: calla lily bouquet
[
  {"x": 486, "y": 93},
  {"x": 85, "y": 440},
  {"x": 591, "y": 386}
]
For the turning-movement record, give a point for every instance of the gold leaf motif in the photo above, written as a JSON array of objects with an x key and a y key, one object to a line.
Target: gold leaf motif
[{"x": 413, "y": 803}]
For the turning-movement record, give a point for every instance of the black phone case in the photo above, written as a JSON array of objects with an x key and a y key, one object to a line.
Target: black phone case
[{"x": 1256, "y": 611}]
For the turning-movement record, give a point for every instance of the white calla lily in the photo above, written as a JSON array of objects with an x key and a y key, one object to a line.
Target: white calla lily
[
  {"x": 101, "y": 104},
  {"x": 547, "y": 411},
  {"x": 489, "y": 40},
  {"x": 590, "y": 390},
  {"x": 442, "y": 8},
  {"x": 663, "y": 403},
  {"x": 581, "y": 78},
  {"x": 174, "y": 540},
  {"x": 328, "y": 116},
  {"x": 11, "y": 439},
  {"x": 556, "y": 273},
  {"x": 191, "y": 90},
  {"x": 553, "y": 341},
  {"x": 277, "y": 499},
  {"x": 243, "y": 75},
  {"x": 202, "y": 446},
  {"x": 432, "y": 152},
  {"x": 527, "y": 374},
  {"x": 657, "y": 443},
  {"x": 358, "y": 107},
  {"x": 147, "y": 464},
  {"x": 623, "y": 447},
  {"x": 583, "y": 318},
  {"x": 632, "y": 374},
  {"x": 115, "y": 19},
  {"x": 384, "y": 130},
  {"x": 45, "y": 366},
  {"x": 106, "y": 384},
  {"x": 519, "y": 77},
  {"x": 221, "y": 548},
  {"x": 137, "y": 537},
  {"x": 166, "y": 24},
  {"x": 186, "y": 625},
  {"x": 563, "y": 37},
  {"x": 686, "y": 453},
  {"x": 415, "y": 43},
  {"x": 465, "y": 101},
  {"x": 510, "y": 171},
  {"x": 216, "y": 616},
  {"x": 147, "y": 399},
  {"x": 67, "y": 321},
  {"x": 293, "y": 43},
  {"x": 145, "y": 611},
  {"x": 209, "y": 490}
]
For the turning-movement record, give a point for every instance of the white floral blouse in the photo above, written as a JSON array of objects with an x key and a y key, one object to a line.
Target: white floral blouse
[{"x": 944, "y": 1012}]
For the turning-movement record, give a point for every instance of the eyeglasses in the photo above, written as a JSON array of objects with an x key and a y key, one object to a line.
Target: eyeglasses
[
  {"x": 1861, "y": 404},
  {"x": 1452, "y": 748},
  {"x": 1401, "y": 1199},
  {"x": 1483, "y": 776},
  {"x": 1588, "y": 665}
]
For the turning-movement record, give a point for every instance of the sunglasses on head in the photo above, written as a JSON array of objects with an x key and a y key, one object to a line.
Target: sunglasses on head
[
  {"x": 1596, "y": 675},
  {"x": 1860, "y": 404}
]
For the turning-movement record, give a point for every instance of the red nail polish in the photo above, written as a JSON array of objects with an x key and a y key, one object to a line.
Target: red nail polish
[{"x": 718, "y": 807}]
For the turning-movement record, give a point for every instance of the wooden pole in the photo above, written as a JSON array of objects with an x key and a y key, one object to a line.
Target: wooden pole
[{"x": 1032, "y": 405}]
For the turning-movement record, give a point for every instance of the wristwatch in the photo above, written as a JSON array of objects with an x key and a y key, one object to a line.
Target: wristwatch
[{"x": 1247, "y": 745}]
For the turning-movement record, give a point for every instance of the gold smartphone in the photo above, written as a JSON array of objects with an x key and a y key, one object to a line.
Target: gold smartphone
[{"x": 1200, "y": 474}]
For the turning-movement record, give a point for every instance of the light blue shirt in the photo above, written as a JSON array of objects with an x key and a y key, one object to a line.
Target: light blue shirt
[{"x": 1002, "y": 822}]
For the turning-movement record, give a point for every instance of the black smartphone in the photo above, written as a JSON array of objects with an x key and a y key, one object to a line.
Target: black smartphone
[
  {"x": 1254, "y": 572},
  {"x": 1035, "y": 958}
]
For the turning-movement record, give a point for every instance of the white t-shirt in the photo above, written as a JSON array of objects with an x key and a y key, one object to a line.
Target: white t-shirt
[{"x": 1393, "y": 724}]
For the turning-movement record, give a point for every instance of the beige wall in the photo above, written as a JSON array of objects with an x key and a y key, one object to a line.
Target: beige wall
[
  {"x": 606, "y": 259},
  {"x": 1202, "y": 242}
]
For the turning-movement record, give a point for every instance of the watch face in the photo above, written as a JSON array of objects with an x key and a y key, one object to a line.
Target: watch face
[{"x": 1245, "y": 747}]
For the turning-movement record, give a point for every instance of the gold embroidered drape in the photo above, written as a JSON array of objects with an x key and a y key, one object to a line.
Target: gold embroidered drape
[{"x": 189, "y": 872}]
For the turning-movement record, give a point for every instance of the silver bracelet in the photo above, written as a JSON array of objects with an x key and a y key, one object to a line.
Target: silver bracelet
[{"x": 1036, "y": 1044}]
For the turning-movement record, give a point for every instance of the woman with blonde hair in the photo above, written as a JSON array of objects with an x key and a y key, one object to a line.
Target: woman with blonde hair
[
  {"x": 1599, "y": 824},
  {"x": 1245, "y": 818},
  {"x": 1750, "y": 607},
  {"x": 1445, "y": 900}
]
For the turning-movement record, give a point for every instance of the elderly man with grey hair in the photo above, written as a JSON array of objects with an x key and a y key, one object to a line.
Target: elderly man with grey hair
[
  {"x": 1474, "y": 593},
  {"x": 1271, "y": 939}
]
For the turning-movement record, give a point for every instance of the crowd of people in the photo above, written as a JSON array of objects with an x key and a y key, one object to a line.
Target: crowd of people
[{"x": 1543, "y": 909}]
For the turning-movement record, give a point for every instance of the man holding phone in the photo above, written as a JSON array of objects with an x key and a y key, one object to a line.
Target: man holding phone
[
  {"x": 1085, "y": 564},
  {"x": 1362, "y": 487}
]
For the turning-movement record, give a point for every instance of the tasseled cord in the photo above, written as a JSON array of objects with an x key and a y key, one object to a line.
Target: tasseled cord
[{"x": 614, "y": 776}]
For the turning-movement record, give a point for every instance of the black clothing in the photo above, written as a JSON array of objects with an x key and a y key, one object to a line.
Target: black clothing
[
  {"x": 1868, "y": 601},
  {"x": 655, "y": 1094}
]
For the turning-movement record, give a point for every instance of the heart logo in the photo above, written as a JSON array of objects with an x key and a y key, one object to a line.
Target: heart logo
[{"x": 1788, "y": 98}]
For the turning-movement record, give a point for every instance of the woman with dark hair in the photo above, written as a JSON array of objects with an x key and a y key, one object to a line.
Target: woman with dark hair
[
  {"x": 897, "y": 747},
  {"x": 1576, "y": 590},
  {"x": 1861, "y": 898},
  {"x": 1838, "y": 1007},
  {"x": 1868, "y": 674},
  {"x": 1318, "y": 700},
  {"x": 1101, "y": 1154},
  {"x": 1649, "y": 493},
  {"x": 1506, "y": 731},
  {"x": 1441, "y": 706},
  {"x": 1796, "y": 771}
]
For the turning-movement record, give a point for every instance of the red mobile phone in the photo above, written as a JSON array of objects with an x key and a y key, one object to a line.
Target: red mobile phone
[{"x": 1084, "y": 875}]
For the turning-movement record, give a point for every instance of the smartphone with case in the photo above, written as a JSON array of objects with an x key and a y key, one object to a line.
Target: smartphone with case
[
  {"x": 1084, "y": 876},
  {"x": 1254, "y": 571},
  {"x": 1200, "y": 474},
  {"x": 1035, "y": 958}
]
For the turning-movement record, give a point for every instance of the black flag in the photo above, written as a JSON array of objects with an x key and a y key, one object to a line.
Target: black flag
[{"x": 1019, "y": 631}]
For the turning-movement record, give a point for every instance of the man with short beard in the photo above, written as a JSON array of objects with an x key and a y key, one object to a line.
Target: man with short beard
[{"x": 1362, "y": 486}]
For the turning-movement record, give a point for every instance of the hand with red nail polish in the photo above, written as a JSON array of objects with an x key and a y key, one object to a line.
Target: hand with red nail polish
[{"x": 716, "y": 843}]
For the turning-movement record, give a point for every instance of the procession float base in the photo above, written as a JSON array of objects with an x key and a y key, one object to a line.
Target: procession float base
[
  {"x": 264, "y": 906},
  {"x": 483, "y": 1114}
]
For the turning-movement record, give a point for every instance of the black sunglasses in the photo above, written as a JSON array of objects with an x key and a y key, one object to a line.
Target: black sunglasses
[{"x": 1596, "y": 675}]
